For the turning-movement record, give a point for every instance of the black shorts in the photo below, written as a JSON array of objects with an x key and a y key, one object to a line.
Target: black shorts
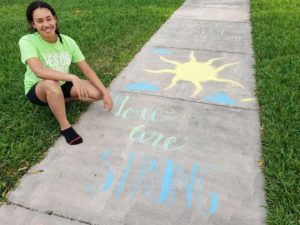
[{"x": 33, "y": 98}]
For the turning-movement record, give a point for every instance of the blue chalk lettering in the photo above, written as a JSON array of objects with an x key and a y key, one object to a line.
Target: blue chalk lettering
[
  {"x": 213, "y": 202},
  {"x": 189, "y": 186},
  {"x": 109, "y": 178},
  {"x": 152, "y": 116},
  {"x": 200, "y": 187},
  {"x": 118, "y": 113},
  {"x": 125, "y": 113},
  {"x": 166, "y": 182},
  {"x": 126, "y": 172},
  {"x": 144, "y": 114},
  {"x": 138, "y": 134},
  {"x": 108, "y": 181},
  {"x": 213, "y": 196},
  {"x": 174, "y": 187},
  {"x": 148, "y": 168}
]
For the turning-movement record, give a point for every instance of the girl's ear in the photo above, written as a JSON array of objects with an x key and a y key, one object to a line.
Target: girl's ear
[{"x": 32, "y": 25}]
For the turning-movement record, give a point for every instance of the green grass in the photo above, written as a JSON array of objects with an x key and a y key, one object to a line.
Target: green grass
[
  {"x": 276, "y": 35},
  {"x": 109, "y": 33}
]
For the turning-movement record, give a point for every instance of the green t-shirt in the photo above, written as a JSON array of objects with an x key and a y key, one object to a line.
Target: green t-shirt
[{"x": 57, "y": 56}]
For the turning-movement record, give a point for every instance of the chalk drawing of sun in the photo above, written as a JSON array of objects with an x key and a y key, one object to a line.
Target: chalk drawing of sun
[{"x": 195, "y": 72}]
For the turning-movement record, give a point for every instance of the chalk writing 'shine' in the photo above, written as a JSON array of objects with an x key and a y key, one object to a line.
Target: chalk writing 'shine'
[{"x": 146, "y": 181}]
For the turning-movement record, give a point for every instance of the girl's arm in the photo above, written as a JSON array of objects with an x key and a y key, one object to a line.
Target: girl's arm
[
  {"x": 94, "y": 79},
  {"x": 48, "y": 74}
]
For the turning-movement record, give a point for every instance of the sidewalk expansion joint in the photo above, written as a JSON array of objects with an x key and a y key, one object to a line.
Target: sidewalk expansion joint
[
  {"x": 224, "y": 3},
  {"x": 49, "y": 213},
  {"x": 185, "y": 100},
  {"x": 221, "y": 21},
  {"x": 199, "y": 49}
]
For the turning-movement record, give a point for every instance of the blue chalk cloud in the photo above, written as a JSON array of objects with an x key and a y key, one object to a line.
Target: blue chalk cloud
[
  {"x": 162, "y": 51},
  {"x": 141, "y": 86},
  {"x": 220, "y": 98}
]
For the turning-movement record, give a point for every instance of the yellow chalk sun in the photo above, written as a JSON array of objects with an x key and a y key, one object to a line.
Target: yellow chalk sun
[{"x": 195, "y": 72}]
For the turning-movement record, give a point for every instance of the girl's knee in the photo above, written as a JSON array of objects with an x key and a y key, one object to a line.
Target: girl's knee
[
  {"x": 98, "y": 96},
  {"x": 52, "y": 87}
]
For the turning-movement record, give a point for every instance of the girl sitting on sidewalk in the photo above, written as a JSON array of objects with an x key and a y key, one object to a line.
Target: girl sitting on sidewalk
[{"x": 47, "y": 55}]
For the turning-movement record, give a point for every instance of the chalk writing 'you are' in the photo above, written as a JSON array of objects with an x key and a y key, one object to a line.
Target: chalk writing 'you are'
[{"x": 139, "y": 133}]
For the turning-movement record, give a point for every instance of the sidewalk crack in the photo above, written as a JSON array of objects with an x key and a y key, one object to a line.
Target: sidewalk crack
[
  {"x": 50, "y": 213},
  {"x": 198, "y": 49},
  {"x": 184, "y": 100}
]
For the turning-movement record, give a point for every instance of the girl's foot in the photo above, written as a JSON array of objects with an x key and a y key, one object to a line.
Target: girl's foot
[{"x": 71, "y": 136}]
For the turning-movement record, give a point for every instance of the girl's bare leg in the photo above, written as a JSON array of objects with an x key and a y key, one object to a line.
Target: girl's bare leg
[
  {"x": 50, "y": 91},
  {"x": 94, "y": 93}
]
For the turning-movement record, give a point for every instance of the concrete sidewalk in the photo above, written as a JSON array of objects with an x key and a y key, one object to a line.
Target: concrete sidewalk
[{"x": 183, "y": 142}]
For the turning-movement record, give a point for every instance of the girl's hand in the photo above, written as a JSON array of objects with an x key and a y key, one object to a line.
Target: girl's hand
[
  {"x": 81, "y": 90},
  {"x": 108, "y": 103}
]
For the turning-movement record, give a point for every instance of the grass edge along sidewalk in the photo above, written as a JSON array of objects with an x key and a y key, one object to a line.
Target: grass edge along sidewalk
[
  {"x": 276, "y": 35},
  {"x": 111, "y": 33}
]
